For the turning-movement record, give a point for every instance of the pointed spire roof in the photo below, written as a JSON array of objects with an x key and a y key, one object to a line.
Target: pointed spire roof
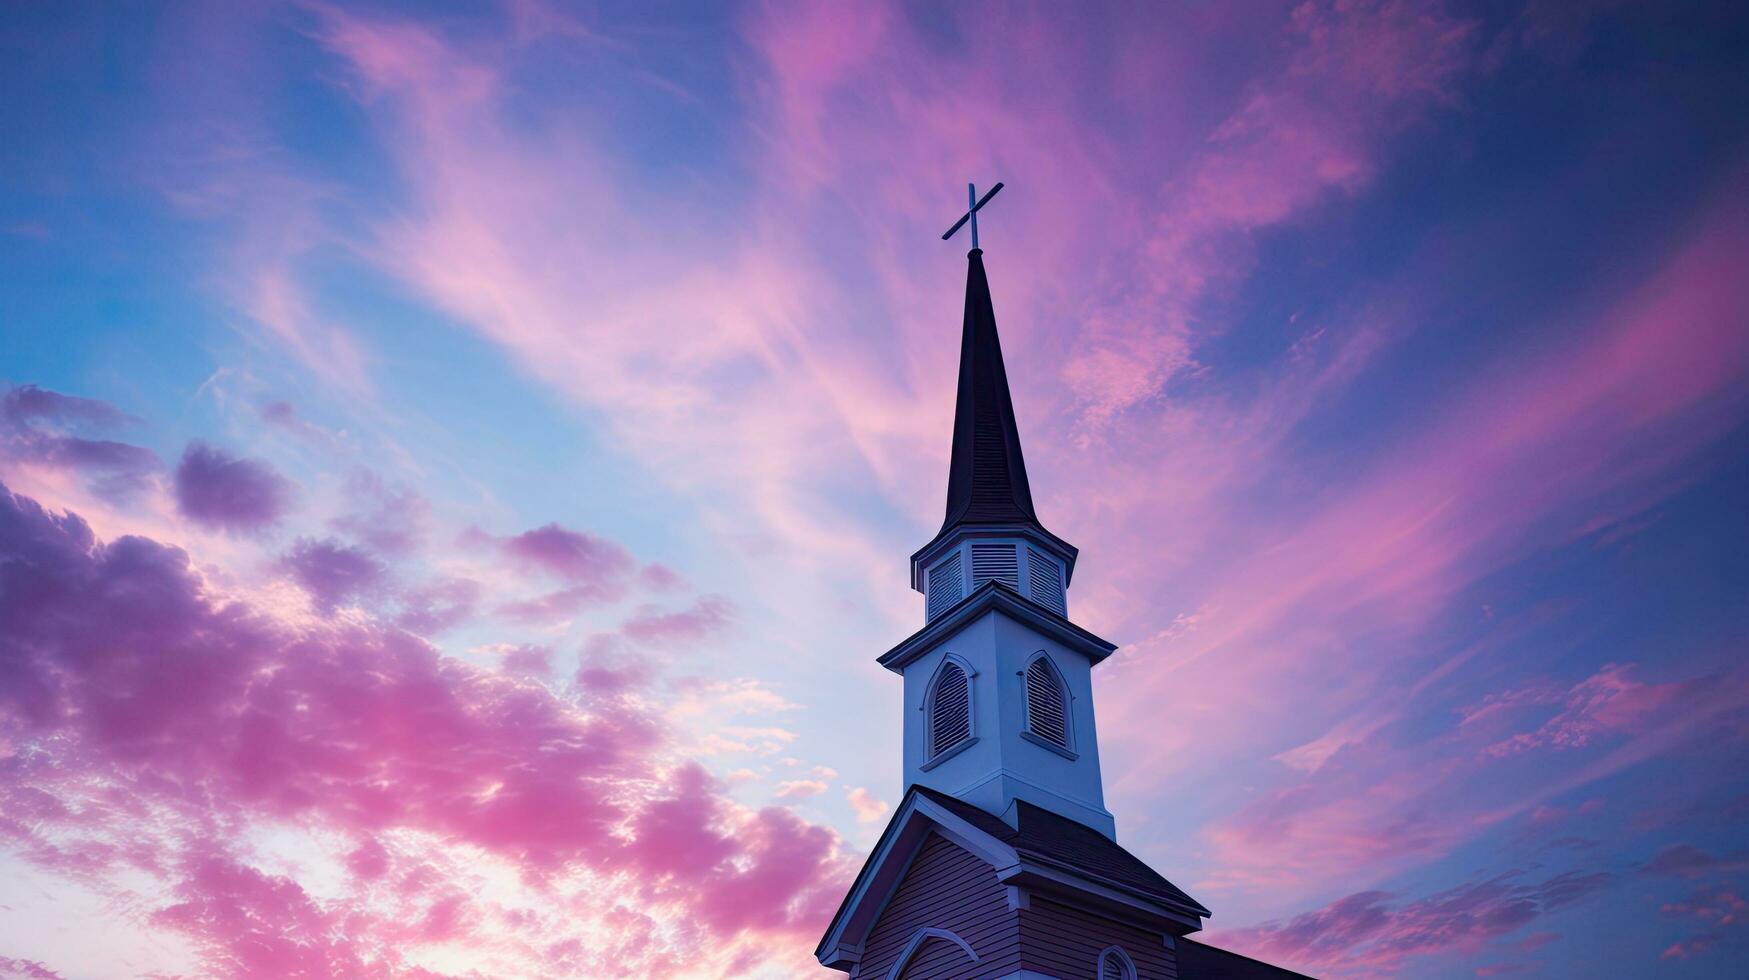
[
  {"x": 986, "y": 482},
  {"x": 987, "y": 489}
]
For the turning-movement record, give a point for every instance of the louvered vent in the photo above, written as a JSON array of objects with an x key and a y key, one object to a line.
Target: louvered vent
[
  {"x": 1045, "y": 582},
  {"x": 1046, "y": 714},
  {"x": 950, "y": 712},
  {"x": 1113, "y": 967},
  {"x": 995, "y": 561},
  {"x": 993, "y": 486},
  {"x": 945, "y": 586}
]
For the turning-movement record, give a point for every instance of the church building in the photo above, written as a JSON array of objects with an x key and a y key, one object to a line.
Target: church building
[{"x": 1002, "y": 860}]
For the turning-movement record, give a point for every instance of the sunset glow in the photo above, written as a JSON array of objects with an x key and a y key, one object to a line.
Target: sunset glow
[{"x": 460, "y": 463}]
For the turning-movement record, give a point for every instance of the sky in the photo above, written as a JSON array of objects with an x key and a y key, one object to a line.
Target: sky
[{"x": 461, "y": 462}]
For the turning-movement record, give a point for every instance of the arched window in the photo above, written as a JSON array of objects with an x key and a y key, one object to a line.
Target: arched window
[
  {"x": 1114, "y": 965},
  {"x": 950, "y": 708},
  {"x": 1047, "y": 702}
]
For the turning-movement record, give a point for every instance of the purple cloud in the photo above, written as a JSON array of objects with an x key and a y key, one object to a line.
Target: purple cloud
[
  {"x": 1688, "y": 861},
  {"x": 574, "y": 555},
  {"x": 707, "y": 616},
  {"x": 29, "y": 403},
  {"x": 229, "y": 493},
  {"x": 595, "y": 570},
  {"x": 437, "y": 606},
  {"x": 1366, "y": 933},
  {"x": 160, "y": 713},
  {"x": 34, "y": 426},
  {"x": 333, "y": 572}
]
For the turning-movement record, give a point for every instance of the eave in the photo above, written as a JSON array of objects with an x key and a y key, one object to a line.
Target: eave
[{"x": 998, "y": 596}]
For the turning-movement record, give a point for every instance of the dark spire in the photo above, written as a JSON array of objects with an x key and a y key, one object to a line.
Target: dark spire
[{"x": 986, "y": 483}]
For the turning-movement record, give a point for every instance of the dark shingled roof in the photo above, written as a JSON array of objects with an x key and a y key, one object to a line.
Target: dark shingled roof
[
  {"x": 1205, "y": 962},
  {"x": 1057, "y": 840},
  {"x": 986, "y": 483}
]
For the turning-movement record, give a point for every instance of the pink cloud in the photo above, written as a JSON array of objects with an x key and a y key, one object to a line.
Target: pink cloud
[
  {"x": 660, "y": 578},
  {"x": 1720, "y": 909},
  {"x": 1609, "y": 700},
  {"x": 249, "y": 924},
  {"x": 868, "y": 809},
  {"x": 800, "y": 789},
  {"x": 708, "y": 616},
  {"x": 127, "y": 673},
  {"x": 12, "y": 969}
]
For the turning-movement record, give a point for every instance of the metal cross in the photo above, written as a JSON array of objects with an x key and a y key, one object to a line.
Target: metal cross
[{"x": 973, "y": 203}]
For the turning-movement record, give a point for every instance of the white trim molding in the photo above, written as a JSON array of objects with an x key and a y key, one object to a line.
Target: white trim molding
[
  {"x": 922, "y": 936},
  {"x": 1128, "y": 965},
  {"x": 931, "y": 757}
]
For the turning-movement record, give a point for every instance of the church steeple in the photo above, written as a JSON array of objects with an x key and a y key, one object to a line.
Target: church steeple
[
  {"x": 986, "y": 482},
  {"x": 988, "y": 494},
  {"x": 999, "y": 679}
]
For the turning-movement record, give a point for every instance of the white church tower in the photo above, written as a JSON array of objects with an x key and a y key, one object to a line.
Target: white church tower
[{"x": 998, "y": 683}]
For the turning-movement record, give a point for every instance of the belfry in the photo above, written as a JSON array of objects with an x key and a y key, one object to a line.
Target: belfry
[{"x": 1001, "y": 860}]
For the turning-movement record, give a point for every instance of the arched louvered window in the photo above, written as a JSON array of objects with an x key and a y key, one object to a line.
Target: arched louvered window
[
  {"x": 1047, "y": 702},
  {"x": 950, "y": 709},
  {"x": 1114, "y": 965}
]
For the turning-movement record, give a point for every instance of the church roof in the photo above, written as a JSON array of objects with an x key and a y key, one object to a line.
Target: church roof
[
  {"x": 1045, "y": 851},
  {"x": 1205, "y": 962},
  {"x": 1055, "y": 839}
]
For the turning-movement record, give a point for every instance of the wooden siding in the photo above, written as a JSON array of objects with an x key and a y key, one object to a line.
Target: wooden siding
[
  {"x": 945, "y": 887},
  {"x": 1065, "y": 942}
]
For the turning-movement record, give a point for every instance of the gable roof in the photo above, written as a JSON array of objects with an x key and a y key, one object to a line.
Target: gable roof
[
  {"x": 1072, "y": 846},
  {"x": 1045, "y": 851}
]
